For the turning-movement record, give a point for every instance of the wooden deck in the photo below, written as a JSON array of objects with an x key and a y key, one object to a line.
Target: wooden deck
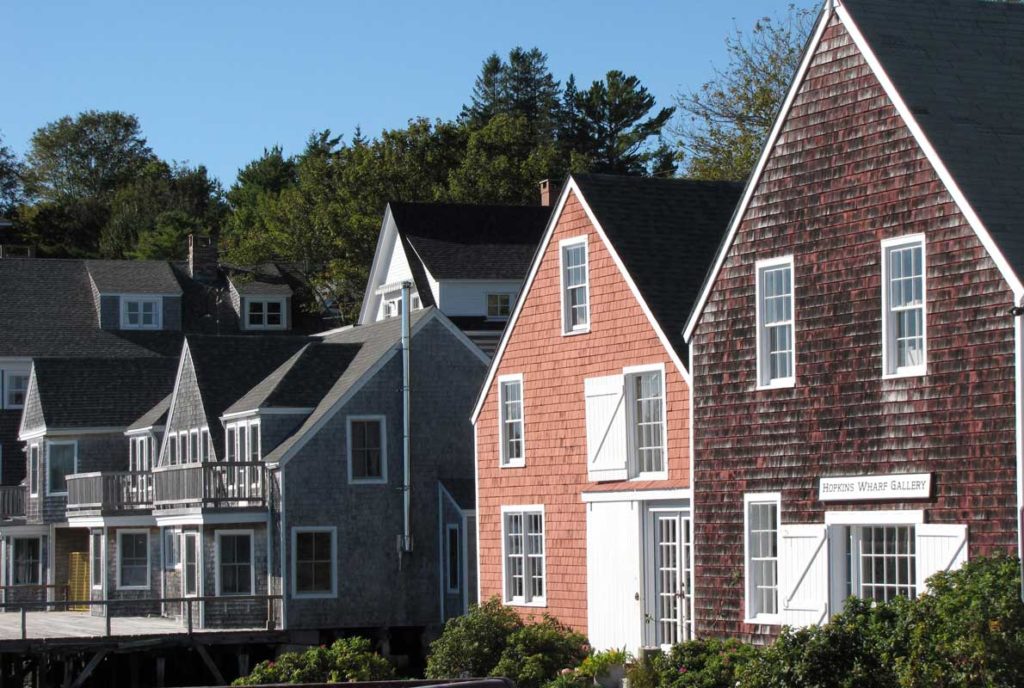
[{"x": 66, "y": 625}]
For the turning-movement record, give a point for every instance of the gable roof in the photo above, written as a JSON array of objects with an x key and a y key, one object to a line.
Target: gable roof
[
  {"x": 959, "y": 67},
  {"x": 133, "y": 277},
  {"x": 666, "y": 232},
  {"x": 952, "y": 69},
  {"x": 154, "y": 416},
  {"x": 471, "y": 242},
  {"x": 228, "y": 366},
  {"x": 47, "y": 310},
  {"x": 376, "y": 342},
  {"x": 265, "y": 279},
  {"x": 651, "y": 227},
  {"x": 100, "y": 393}
]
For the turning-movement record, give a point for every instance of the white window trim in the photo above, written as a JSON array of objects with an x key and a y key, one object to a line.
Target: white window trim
[
  {"x": 238, "y": 433},
  {"x": 761, "y": 498},
  {"x": 7, "y": 375},
  {"x": 252, "y": 560},
  {"x": 383, "y": 479},
  {"x": 33, "y": 463},
  {"x": 887, "y": 245},
  {"x": 449, "y": 527},
  {"x": 562, "y": 245},
  {"x": 185, "y": 535},
  {"x": 74, "y": 469},
  {"x": 524, "y": 510},
  {"x": 92, "y": 558},
  {"x": 895, "y": 517},
  {"x": 264, "y": 300},
  {"x": 762, "y": 363},
  {"x": 487, "y": 305},
  {"x": 631, "y": 451},
  {"x": 39, "y": 566},
  {"x": 157, "y": 302},
  {"x": 503, "y": 461},
  {"x": 149, "y": 558},
  {"x": 333, "y": 593}
]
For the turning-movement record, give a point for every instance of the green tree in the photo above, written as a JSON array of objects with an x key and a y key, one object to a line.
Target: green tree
[
  {"x": 10, "y": 181},
  {"x": 87, "y": 157},
  {"x": 614, "y": 126},
  {"x": 725, "y": 122}
]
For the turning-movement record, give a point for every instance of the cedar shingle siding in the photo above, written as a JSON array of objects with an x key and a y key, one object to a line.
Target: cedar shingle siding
[{"x": 844, "y": 175}]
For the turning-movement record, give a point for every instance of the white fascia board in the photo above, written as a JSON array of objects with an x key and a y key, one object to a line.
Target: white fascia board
[
  {"x": 755, "y": 178},
  {"x": 931, "y": 154},
  {"x": 636, "y": 495},
  {"x": 140, "y": 521},
  {"x": 23, "y": 432},
  {"x": 198, "y": 518},
  {"x": 174, "y": 397},
  {"x": 370, "y": 294}
]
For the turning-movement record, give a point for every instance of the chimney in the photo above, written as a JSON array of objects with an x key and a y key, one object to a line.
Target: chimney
[
  {"x": 546, "y": 193},
  {"x": 202, "y": 258}
]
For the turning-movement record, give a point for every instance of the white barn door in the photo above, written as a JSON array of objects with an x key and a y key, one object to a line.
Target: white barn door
[
  {"x": 940, "y": 547},
  {"x": 803, "y": 574}
]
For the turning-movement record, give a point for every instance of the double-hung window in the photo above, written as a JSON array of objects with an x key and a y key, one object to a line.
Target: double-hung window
[
  {"x": 523, "y": 536},
  {"x": 575, "y": 286},
  {"x": 235, "y": 570},
  {"x": 190, "y": 555},
  {"x": 313, "y": 564},
  {"x": 776, "y": 349},
  {"x": 510, "y": 420},
  {"x": 133, "y": 559},
  {"x": 26, "y": 564},
  {"x": 61, "y": 458},
  {"x": 15, "y": 388},
  {"x": 499, "y": 306},
  {"x": 367, "y": 449},
  {"x": 762, "y": 557},
  {"x": 645, "y": 393},
  {"x": 903, "y": 306},
  {"x": 140, "y": 313},
  {"x": 264, "y": 314}
]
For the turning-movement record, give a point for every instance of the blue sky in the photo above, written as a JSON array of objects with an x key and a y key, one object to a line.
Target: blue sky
[{"x": 216, "y": 81}]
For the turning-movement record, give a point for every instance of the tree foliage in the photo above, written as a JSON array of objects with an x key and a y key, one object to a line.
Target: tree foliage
[
  {"x": 725, "y": 122},
  {"x": 347, "y": 660},
  {"x": 10, "y": 181}
]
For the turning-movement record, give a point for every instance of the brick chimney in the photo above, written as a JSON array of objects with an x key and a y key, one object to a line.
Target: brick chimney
[
  {"x": 202, "y": 258},
  {"x": 547, "y": 190}
]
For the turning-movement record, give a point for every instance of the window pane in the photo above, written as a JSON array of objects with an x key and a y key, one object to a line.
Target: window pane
[
  {"x": 134, "y": 559},
  {"x": 235, "y": 565},
  {"x": 511, "y": 420},
  {"x": 26, "y": 561},
  {"x": 366, "y": 449},
  {"x": 762, "y": 549},
  {"x": 646, "y": 389},
  {"x": 313, "y": 562},
  {"x": 886, "y": 566},
  {"x": 61, "y": 465}
]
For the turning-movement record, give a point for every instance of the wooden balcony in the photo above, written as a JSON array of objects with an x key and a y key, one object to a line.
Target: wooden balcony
[
  {"x": 110, "y": 492},
  {"x": 12, "y": 501},
  {"x": 214, "y": 484}
]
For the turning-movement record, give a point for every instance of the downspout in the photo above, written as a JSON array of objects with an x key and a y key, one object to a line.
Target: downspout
[{"x": 406, "y": 543}]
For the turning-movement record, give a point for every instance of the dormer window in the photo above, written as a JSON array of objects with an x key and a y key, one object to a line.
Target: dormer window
[
  {"x": 264, "y": 314},
  {"x": 499, "y": 306},
  {"x": 140, "y": 313}
]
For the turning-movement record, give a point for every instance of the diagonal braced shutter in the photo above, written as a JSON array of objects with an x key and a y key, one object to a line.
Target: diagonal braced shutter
[
  {"x": 803, "y": 574},
  {"x": 939, "y": 547},
  {"x": 606, "y": 428}
]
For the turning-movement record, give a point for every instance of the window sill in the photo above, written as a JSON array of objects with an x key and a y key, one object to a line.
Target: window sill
[
  {"x": 519, "y": 463},
  {"x": 520, "y": 603},
  {"x": 787, "y": 383},
  {"x": 573, "y": 333},
  {"x": 130, "y": 587},
  {"x": 905, "y": 373},
  {"x": 315, "y": 596},
  {"x": 765, "y": 620},
  {"x": 368, "y": 481},
  {"x": 56, "y": 494}
]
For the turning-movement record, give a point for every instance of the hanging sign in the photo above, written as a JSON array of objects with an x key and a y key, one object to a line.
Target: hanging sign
[{"x": 859, "y": 488}]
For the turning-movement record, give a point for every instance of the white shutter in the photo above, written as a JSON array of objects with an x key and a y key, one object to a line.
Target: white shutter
[
  {"x": 940, "y": 547},
  {"x": 803, "y": 574},
  {"x": 606, "y": 428}
]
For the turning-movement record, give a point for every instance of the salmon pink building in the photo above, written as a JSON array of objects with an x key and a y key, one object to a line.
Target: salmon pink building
[{"x": 583, "y": 425}]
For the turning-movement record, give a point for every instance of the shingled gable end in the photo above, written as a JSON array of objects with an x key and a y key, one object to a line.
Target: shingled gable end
[
  {"x": 569, "y": 516},
  {"x": 890, "y": 146}
]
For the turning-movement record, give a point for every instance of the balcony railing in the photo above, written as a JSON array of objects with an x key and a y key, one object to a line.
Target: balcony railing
[
  {"x": 110, "y": 491},
  {"x": 210, "y": 484},
  {"x": 12, "y": 501}
]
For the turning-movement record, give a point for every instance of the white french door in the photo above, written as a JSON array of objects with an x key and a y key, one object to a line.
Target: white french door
[{"x": 669, "y": 578}]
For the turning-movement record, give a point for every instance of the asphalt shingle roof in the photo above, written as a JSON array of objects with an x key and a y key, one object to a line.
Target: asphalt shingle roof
[
  {"x": 133, "y": 276},
  {"x": 47, "y": 309},
  {"x": 94, "y": 393},
  {"x": 666, "y": 231},
  {"x": 154, "y": 416},
  {"x": 959, "y": 67},
  {"x": 461, "y": 241}
]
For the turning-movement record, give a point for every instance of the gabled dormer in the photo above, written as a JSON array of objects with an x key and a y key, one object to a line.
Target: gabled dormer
[
  {"x": 141, "y": 295},
  {"x": 261, "y": 298}
]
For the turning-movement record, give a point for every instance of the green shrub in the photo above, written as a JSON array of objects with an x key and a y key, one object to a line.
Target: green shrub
[
  {"x": 856, "y": 650},
  {"x": 968, "y": 629},
  {"x": 471, "y": 645},
  {"x": 348, "y": 659},
  {"x": 600, "y": 663},
  {"x": 707, "y": 663},
  {"x": 537, "y": 652}
]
